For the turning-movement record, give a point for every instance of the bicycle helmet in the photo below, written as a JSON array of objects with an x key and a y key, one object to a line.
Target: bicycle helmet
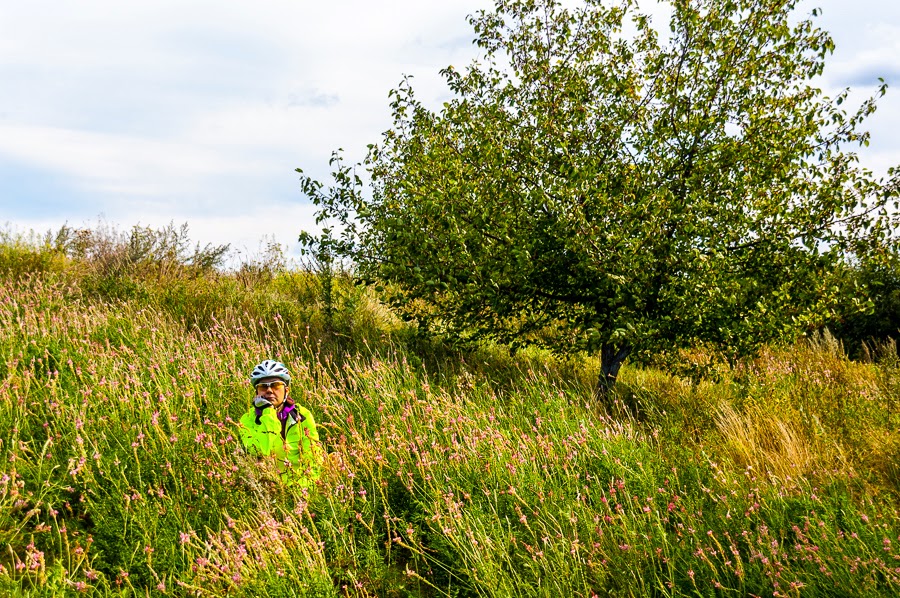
[{"x": 270, "y": 369}]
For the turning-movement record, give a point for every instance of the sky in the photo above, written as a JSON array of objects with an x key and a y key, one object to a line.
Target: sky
[{"x": 194, "y": 111}]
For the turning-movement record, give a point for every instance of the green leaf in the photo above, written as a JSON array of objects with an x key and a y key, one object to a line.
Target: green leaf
[{"x": 587, "y": 175}]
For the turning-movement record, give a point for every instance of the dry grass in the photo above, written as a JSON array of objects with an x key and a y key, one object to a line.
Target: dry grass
[{"x": 766, "y": 443}]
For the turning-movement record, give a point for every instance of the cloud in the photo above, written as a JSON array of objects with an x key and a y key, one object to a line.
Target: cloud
[
  {"x": 872, "y": 55},
  {"x": 31, "y": 192},
  {"x": 870, "y": 75},
  {"x": 108, "y": 163},
  {"x": 312, "y": 98}
]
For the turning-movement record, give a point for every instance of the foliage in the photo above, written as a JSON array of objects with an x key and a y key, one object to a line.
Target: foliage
[
  {"x": 594, "y": 186},
  {"x": 876, "y": 276},
  {"x": 166, "y": 250},
  {"x": 23, "y": 255}
]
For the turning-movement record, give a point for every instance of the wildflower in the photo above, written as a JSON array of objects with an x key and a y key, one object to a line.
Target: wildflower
[{"x": 35, "y": 557}]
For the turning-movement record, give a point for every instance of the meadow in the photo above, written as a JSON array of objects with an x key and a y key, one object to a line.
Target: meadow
[{"x": 450, "y": 472}]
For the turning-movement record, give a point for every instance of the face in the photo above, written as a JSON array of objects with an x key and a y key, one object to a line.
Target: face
[{"x": 273, "y": 394}]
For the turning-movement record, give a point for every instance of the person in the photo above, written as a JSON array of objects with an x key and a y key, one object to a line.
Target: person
[{"x": 275, "y": 425}]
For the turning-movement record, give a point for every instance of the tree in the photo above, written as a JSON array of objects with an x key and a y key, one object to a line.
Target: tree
[
  {"x": 876, "y": 274},
  {"x": 594, "y": 186}
]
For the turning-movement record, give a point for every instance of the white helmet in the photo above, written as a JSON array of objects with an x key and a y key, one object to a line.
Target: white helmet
[{"x": 270, "y": 369}]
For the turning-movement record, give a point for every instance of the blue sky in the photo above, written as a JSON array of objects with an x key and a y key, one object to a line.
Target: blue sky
[{"x": 198, "y": 111}]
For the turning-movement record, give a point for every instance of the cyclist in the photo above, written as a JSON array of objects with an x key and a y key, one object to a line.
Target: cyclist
[{"x": 275, "y": 425}]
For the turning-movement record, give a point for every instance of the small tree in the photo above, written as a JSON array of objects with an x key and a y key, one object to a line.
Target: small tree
[{"x": 593, "y": 187}]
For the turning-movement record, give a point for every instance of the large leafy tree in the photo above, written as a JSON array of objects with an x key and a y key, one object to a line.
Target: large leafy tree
[{"x": 594, "y": 185}]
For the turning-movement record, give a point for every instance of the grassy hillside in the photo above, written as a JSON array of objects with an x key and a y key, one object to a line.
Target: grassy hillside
[{"x": 450, "y": 474}]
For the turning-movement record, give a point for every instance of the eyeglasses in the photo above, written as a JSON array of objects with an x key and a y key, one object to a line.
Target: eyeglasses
[{"x": 276, "y": 385}]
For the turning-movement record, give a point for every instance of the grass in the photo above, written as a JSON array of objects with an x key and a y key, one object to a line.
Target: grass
[{"x": 449, "y": 474}]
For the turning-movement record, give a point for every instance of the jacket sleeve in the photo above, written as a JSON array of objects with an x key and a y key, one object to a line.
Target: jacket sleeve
[{"x": 312, "y": 446}]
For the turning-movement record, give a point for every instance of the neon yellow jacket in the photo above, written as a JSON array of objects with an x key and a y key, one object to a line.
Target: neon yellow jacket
[{"x": 298, "y": 452}]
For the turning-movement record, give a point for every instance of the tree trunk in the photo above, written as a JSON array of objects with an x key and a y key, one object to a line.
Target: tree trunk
[{"x": 611, "y": 360}]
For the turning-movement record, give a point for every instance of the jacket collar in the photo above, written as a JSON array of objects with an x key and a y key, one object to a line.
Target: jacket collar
[{"x": 288, "y": 411}]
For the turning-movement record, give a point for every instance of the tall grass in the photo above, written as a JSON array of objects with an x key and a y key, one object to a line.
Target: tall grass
[{"x": 449, "y": 474}]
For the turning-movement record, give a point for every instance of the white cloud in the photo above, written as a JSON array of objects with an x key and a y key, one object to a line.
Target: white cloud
[{"x": 118, "y": 164}]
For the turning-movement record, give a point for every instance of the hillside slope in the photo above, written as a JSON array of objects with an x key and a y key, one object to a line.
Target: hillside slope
[{"x": 450, "y": 473}]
